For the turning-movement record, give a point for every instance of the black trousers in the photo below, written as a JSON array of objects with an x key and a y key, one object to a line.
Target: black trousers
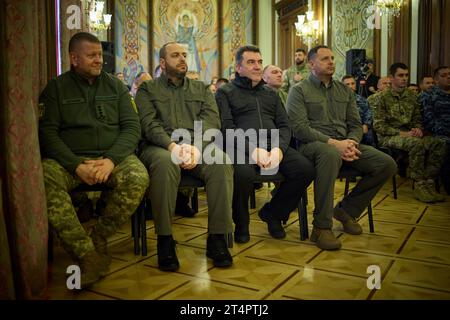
[{"x": 298, "y": 172}]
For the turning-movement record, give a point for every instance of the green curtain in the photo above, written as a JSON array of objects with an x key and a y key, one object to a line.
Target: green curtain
[{"x": 23, "y": 219}]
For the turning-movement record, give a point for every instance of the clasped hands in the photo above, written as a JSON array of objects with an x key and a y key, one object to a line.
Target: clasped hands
[
  {"x": 348, "y": 149},
  {"x": 95, "y": 171},
  {"x": 267, "y": 160},
  {"x": 185, "y": 155}
]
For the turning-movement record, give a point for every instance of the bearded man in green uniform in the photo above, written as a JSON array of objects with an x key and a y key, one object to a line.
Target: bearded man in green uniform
[
  {"x": 398, "y": 123},
  {"x": 88, "y": 133},
  {"x": 166, "y": 104},
  {"x": 297, "y": 72}
]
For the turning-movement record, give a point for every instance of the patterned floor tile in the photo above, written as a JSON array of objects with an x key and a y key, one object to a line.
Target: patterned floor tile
[
  {"x": 435, "y": 219},
  {"x": 395, "y": 216},
  {"x": 139, "y": 282},
  {"x": 351, "y": 263},
  {"x": 431, "y": 234},
  {"x": 374, "y": 243},
  {"x": 427, "y": 251},
  {"x": 204, "y": 289},
  {"x": 313, "y": 284},
  {"x": 283, "y": 251},
  {"x": 404, "y": 292},
  {"x": 420, "y": 274},
  {"x": 253, "y": 273}
]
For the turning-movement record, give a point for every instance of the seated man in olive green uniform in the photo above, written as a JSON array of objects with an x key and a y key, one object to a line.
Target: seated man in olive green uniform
[
  {"x": 398, "y": 123},
  {"x": 166, "y": 104},
  {"x": 88, "y": 133},
  {"x": 324, "y": 117}
]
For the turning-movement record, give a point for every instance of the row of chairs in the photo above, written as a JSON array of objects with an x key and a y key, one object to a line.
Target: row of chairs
[{"x": 141, "y": 215}]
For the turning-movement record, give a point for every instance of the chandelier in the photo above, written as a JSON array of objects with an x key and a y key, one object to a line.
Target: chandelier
[
  {"x": 390, "y": 9},
  {"x": 97, "y": 19},
  {"x": 307, "y": 28}
]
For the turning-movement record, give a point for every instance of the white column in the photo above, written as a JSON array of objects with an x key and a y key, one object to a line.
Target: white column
[
  {"x": 265, "y": 30},
  {"x": 414, "y": 40},
  {"x": 384, "y": 46}
]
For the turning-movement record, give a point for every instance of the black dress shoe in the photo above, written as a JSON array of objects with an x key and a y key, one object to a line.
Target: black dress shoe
[
  {"x": 274, "y": 226},
  {"x": 217, "y": 250},
  {"x": 241, "y": 234},
  {"x": 182, "y": 206},
  {"x": 167, "y": 256}
]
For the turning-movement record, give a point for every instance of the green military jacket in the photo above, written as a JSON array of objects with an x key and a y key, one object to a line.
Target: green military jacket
[
  {"x": 80, "y": 121},
  {"x": 164, "y": 107},
  {"x": 289, "y": 75},
  {"x": 318, "y": 113},
  {"x": 395, "y": 112}
]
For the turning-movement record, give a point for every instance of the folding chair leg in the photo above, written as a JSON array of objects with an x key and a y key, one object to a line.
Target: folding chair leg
[
  {"x": 369, "y": 214},
  {"x": 143, "y": 226},
  {"x": 394, "y": 185},
  {"x": 194, "y": 200},
  {"x": 135, "y": 232},
  {"x": 253, "y": 199},
  {"x": 303, "y": 217}
]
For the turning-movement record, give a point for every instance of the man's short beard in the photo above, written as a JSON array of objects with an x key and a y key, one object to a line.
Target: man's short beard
[
  {"x": 299, "y": 62},
  {"x": 175, "y": 73}
]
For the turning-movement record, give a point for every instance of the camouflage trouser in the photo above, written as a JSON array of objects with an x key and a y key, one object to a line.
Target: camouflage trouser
[
  {"x": 129, "y": 181},
  {"x": 426, "y": 155}
]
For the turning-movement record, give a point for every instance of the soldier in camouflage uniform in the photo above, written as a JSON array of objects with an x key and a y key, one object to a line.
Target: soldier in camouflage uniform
[
  {"x": 364, "y": 111},
  {"x": 295, "y": 73},
  {"x": 397, "y": 121},
  {"x": 88, "y": 133},
  {"x": 436, "y": 115}
]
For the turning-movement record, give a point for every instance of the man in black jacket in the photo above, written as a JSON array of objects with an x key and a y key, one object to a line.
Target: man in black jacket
[{"x": 247, "y": 104}]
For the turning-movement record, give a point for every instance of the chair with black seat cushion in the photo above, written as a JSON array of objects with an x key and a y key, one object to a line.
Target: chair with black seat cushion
[
  {"x": 187, "y": 181},
  {"x": 137, "y": 221},
  {"x": 347, "y": 173}
]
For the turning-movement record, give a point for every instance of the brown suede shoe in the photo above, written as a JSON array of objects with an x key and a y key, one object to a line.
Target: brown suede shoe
[
  {"x": 348, "y": 222},
  {"x": 325, "y": 239},
  {"x": 92, "y": 266}
]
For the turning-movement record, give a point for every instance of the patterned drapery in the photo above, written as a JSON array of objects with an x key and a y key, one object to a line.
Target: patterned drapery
[{"x": 23, "y": 259}]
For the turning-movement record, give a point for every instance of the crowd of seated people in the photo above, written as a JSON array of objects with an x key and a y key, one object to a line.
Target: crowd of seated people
[{"x": 141, "y": 148}]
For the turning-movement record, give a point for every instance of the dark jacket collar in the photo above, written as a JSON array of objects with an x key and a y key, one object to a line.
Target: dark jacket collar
[
  {"x": 81, "y": 79},
  {"x": 246, "y": 83},
  {"x": 170, "y": 84}
]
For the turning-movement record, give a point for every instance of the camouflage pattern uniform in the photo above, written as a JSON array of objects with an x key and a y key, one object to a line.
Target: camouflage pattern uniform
[
  {"x": 436, "y": 120},
  {"x": 79, "y": 121},
  {"x": 290, "y": 73},
  {"x": 128, "y": 181},
  {"x": 366, "y": 118},
  {"x": 400, "y": 111}
]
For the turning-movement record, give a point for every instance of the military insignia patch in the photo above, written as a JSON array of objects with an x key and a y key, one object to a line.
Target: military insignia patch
[
  {"x": 41, "y": 109},
  {"x": 133, "y": 104}
]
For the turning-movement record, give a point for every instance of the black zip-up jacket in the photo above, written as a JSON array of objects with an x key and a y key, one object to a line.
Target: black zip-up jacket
[{"x": 245, "y": 107}]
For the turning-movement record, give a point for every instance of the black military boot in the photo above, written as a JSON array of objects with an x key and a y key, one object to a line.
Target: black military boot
[
  {"x": 167, "y": 256},
  {"x": 216, "y": 249}
]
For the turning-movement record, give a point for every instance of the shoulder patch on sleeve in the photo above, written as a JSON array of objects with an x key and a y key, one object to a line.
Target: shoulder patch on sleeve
[
  {"x": 41, "y": 110},
  {"x": 133, "y": 104}
]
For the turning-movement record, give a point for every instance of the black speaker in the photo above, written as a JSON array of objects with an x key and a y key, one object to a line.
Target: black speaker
[
  {"x": 354, "y": 58},
  {"x": 109, "y": 58}
]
